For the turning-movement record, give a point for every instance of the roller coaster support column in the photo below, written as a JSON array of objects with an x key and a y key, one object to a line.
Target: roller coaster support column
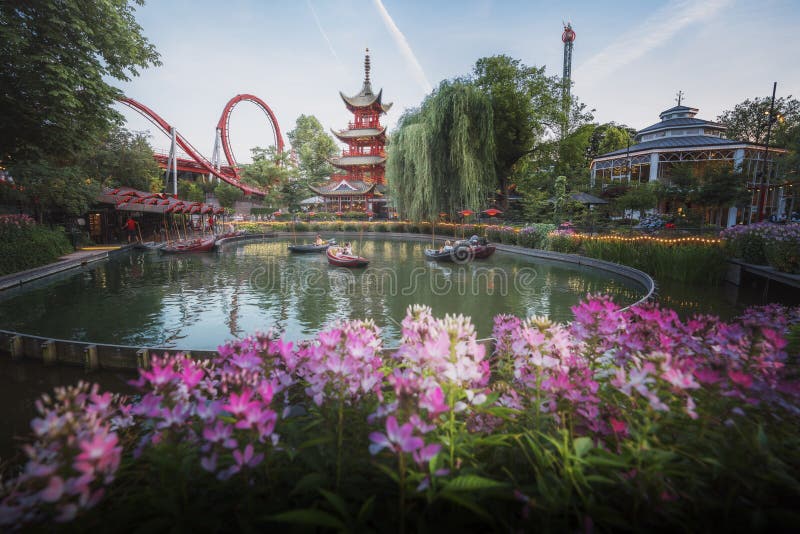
[
  {"x": 172, "y": 163},
  {"x": 215, "y": 157}
]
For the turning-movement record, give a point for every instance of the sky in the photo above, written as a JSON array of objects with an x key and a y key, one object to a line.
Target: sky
[{"x": 629, "y": 60}]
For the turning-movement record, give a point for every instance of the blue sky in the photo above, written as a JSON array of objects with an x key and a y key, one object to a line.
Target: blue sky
[{"x": 629, "y": 60}]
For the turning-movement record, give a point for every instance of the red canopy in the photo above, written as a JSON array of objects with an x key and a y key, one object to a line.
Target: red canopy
[
  {"x": 370, "y": 214},
  {"x": 339, "y": 213},
  {"x": 466, "y": 213},
  {"x": 491, "y": 212},
  {"x": 311, "y": 213}
]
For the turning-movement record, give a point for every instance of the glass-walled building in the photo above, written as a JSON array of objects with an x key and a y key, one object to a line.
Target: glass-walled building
[{"x": 680, "y": 138}]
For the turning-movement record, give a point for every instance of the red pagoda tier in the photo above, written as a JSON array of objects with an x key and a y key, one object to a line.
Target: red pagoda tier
[{"x": 364, "y": 159}]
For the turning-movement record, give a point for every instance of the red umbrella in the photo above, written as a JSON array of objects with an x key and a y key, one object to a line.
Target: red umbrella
[
  {"x": 370, "y": 214},
  {"x": 491, "y": 212},
  {"x": 466, "y": 213},
  {"x": 219, "y": 211},
  {"x": 277, "y": 213},
  {"x": 339, "y": 213},
  {"x": 311, "y": 213}
]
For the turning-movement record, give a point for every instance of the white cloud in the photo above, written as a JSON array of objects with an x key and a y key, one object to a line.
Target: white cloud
[
  {"x": 405, "y": 48},
  {"x": 656, "y": 30}
]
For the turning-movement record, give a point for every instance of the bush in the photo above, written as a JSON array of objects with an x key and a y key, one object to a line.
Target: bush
[
  {"x": 782, "y": 248},
  {"x": 535, "y": 236},
  {"x": 24, "y": 244},
  {"x": 564, "y": 241}
]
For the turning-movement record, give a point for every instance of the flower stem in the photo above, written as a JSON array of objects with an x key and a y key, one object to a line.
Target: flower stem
[
  {"x": 339, "y": 439},
  {"x": 402, "y": 466}
]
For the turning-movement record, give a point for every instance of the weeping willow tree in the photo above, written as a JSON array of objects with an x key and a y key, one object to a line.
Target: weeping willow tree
[{"x": 442, "y": 157}]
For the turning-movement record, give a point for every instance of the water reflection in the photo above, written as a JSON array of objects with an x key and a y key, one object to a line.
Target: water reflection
[{"x": 199, "y": 301}]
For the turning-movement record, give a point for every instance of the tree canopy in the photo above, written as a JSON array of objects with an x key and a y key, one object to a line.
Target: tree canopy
[
  {"x": 442, "y": 156},
  {"x": 57, "y": 58},
  {"x": 748, "y": 120},
  {"x": 312, "y": 146},
  {"x": 123, "y": 158},
  {"x": 526, "y": 106}
]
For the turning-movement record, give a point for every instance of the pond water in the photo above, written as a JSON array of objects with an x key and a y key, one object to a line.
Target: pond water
[{"x": 197, "y": 301}]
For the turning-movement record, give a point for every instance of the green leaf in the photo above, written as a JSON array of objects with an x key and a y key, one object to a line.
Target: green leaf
[
  {"x": 582, "y": 445},
  {"x": 366, "y": 510},
  {"x": 473, "y": 507},
  {"x": 336, "y": 501},
  {"x": 472, "y": 483},
  {"x": 310, "y": 482},
  {"x": 308, "y": 516},
  {"x": 389, "y": 472},
  {"x": 314, "y": 442}
]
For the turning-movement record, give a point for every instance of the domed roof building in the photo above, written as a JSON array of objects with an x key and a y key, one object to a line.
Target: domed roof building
[{"x": 680, "y": 137}]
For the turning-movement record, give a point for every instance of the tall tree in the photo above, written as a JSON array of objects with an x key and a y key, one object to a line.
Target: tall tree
[
  {"x": 748, "y": 120},
  {"x": 123, "y": 158},
  {"x": 442, "y": 156},
  {"x": 313, "y": 147},
  {"x": 527, "y": 109},
  {"x": 57, "y": 58}
]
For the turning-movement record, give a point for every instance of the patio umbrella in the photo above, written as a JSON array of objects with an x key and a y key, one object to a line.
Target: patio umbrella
[
  {"x": 370, "y": 214},
  {"x": 466, "y": 213},
  {"x": 311, "y": 213},
  {"x": 277, "y": 213},
  {"x": 339, "y": 213},
  {"x": 491, "y": 212}
]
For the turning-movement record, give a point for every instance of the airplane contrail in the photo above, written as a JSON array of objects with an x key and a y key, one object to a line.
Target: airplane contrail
[
  {"x": 322, "y": 32},
  {"x": 405, "y": 48}
]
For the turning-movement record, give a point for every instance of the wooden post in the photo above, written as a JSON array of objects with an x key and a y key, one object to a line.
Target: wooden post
[
  {"x": 90, "y": 358},
  {"x": 15, "y": 347},
  {"x": 143, "y": 358},
  {"x": 49, "y": 356}
]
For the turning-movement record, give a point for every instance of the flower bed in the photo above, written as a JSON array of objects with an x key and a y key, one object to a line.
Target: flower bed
[
  {"x": 621, "y": 420},
  {"x": 24, "y": 244},
  {"x": 776, "y": 245}
]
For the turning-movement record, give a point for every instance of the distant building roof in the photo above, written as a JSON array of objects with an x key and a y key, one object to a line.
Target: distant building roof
[
  {"x": 357, "y": 133},
  {"x": 681, "y": 141},
  {"x": 355, "y": 161},
  {"x": 674, "y": 123},
  {"x": 678, "y": 110},
  {"x": 343, "y": 188}
]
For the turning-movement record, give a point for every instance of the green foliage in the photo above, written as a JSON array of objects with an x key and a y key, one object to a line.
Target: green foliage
[
  {"x": 748, "y": 120},
  {"x": 441, "y": 158},
  {"x": 25, "y": 244},
  {"x": 691, "y": 264},
  {"x": 783, "y": 255},
  {"x": 51, "y": 188},
  {"x": 313, "y": 147},
  {"x": 638, "y": 198},
  {"x": 227, "y": 195},
  {"x": 123, "y": 158},
  {"x": 58, "y": 59}
]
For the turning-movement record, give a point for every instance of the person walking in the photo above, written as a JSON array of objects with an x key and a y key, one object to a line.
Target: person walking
[{"x": 130, "y": 228}]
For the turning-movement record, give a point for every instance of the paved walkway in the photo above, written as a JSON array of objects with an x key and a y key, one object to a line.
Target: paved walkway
[{"x": 69, "y": 261}]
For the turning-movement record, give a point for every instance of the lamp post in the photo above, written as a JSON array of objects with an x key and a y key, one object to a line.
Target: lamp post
[{"x": 771, "y": 119}]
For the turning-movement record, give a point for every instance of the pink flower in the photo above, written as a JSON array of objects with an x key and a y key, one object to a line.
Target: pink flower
[
  {"x": 397, "y": 438},
  {"x": 740, "y": 378}
]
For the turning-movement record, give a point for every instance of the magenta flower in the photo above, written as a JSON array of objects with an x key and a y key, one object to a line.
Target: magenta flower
[{"x": 398, "y": 438}]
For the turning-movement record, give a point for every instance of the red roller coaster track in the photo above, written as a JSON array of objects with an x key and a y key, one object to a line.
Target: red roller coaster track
[{"x": 198, "y": 162}]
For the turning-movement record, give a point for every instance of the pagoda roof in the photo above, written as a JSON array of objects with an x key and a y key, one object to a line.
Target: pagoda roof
[
  {"x": 346, "y": 162},
  {"x": 365, "y": 99},
  {"x": 343, "y": 188},
  {"x": 359, "y": 133}
]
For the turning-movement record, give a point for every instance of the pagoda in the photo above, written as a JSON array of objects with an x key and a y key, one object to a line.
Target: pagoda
[{"x": 362, "y": 184}]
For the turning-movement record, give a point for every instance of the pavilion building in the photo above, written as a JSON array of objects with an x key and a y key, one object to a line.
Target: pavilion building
[
  {"x": 680, "y": 137},
  {"x": 362, "y": 184}
]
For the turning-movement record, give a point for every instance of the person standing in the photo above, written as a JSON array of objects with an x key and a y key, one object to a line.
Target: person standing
[{"x": 130, "y": 228}]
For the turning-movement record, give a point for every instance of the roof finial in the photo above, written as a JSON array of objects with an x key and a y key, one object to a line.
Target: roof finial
[
  {"x": 679, "y": 95},
  {"x": 366, "y": 67}
]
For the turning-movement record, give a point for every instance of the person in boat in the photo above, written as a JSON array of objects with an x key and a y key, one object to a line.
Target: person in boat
[
  {"x": 318, "y": 240},
  {"x": 348, "y": 249},
  {"x": 447, "y": 247}
]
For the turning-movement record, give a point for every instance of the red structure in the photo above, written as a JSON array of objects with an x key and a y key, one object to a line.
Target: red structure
[
  {"x": 194, "y": 161},
  {"x": 362, "y": 185}
]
